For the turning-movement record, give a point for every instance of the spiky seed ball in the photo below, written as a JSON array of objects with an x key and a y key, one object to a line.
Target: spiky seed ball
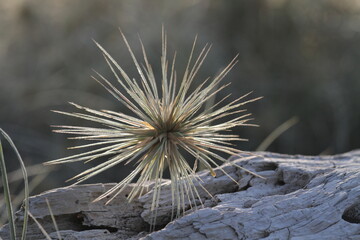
[{"x": 165, "y": 121}]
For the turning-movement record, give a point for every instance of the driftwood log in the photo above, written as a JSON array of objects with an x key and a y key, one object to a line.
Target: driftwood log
[{"x": 301, "y": 197}]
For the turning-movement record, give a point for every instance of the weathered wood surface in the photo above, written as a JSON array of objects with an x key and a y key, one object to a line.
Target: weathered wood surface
[{"x": 302, "y": 197}]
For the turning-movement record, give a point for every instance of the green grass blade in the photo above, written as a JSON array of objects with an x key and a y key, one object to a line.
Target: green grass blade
[
  {"x": 7, "y": 196},
  {"x": 26, "y": 187}
]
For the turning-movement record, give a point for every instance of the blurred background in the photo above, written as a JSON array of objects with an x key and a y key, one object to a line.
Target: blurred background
[{"x": 302, "y": 56}]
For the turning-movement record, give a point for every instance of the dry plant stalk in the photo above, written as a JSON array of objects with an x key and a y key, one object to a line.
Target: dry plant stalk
[{"x": 165, "y": 121}]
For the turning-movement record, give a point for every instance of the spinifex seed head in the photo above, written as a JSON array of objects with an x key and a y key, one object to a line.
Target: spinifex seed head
[{"x": 164, "y": 123}]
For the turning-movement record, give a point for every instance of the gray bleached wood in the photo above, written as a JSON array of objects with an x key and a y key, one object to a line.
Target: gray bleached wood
[
  {"x": 78, "y": 217},
  {"x": 302, "y": 197}
]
